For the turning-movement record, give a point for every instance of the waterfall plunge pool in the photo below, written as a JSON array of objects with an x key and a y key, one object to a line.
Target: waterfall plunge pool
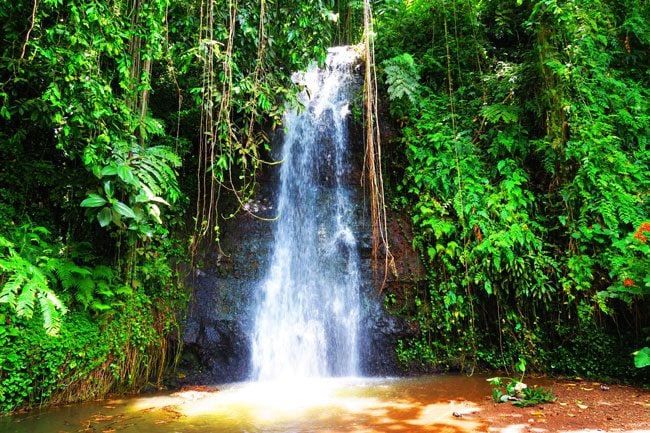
[{"x": 309, "y": 405}]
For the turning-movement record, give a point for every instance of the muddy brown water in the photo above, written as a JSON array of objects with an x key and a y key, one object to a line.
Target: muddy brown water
[{"x": 328, "y": 405}]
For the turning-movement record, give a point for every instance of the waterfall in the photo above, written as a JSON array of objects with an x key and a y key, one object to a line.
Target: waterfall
[{"x": 307, "y": 316}]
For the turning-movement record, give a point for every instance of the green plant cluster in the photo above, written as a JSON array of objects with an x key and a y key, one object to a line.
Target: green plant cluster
[
  {"x": 72, "y": 329},
  {"x": 85, "y": 360},
  {"x": 507, "y": 389},
  {"x": 524, "y": 157},
  {"x": 520, "y": 394},
  {"x": 104, "y": 112}
]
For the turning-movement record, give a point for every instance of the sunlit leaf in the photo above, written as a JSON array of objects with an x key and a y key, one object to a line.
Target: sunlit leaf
[
  {"x": 93, "y": 200},
  {"x": 642, "y": 358}
]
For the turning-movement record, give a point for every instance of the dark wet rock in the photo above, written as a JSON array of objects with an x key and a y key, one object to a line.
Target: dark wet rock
[
  {"x": 217, "y": 351},
  {"x": 380, "y": 334},
  {"x": 227, "y": 277}
]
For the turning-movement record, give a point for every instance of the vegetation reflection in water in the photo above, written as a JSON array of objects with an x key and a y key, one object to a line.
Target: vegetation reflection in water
[{"x": 323, "y": 405}]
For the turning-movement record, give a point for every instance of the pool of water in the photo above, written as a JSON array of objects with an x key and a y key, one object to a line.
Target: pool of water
[{"x": 323, "y": 405}]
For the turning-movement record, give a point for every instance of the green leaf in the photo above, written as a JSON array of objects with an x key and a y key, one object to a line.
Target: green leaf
[
  {"x": 93, "y": 200},
  {"x": 496, "y": 395},
  {"x": 520, "y": 366},
  {"x": 123, "y": 210},
  {"x": 495, "y": 381},
  {"x": 124, "y": 290},
  {"x": 126, "y": 174},
  {"x": 500, "y": 113},
  {"x": 104, "y": 217},
  {"x": 488, "y": 287},
  {"x": 642, "y": 358},
  {"x": 108, "y": 188},
  {"x": 109, "y": 170},
  {"x": 154, "y": 211}
]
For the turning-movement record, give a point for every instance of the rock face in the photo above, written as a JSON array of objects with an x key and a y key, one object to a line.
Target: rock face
[
  {"x": 216, "y": 342},
  {"x": 227, "y": 279},
  {"x": 216, "y": 334}
]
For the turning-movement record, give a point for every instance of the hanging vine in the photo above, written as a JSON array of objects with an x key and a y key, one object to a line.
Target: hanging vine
[
  {"x": 372, "y": 157},
  {"x": 243, "y": 92}
]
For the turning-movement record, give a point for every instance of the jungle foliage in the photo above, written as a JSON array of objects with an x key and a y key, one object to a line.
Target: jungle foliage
[
  {"x": 525, "y": 164},
  {"x": 109, "y": 109}
]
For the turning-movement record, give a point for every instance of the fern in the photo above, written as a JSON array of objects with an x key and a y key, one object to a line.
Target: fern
[
  {"x": 154, "y": 167},
  {"x": 25, "y": 284},
  {"x": 402, "y": 78},
  {"x": 25, "y": 266},
  {"x": 11, "y": 287},
  {"x": 103, "y": 272},
  {"x": 85, "y": 295},
  {"x": 69, "y": 274},
  {"x": 496, "y": 113},
  {"x": 154, "y": 126},
  {"x": 53, "y": 311}
]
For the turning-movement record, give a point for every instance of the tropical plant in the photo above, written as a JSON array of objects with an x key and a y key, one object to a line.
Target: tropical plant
[
  {"x": 28, "y": 266},
  {"x": 523, "y": 161},
  {"x": 401, "y": 83},
  {"x": 642, "y": 358},
  {"x": 516, "y": 391}
]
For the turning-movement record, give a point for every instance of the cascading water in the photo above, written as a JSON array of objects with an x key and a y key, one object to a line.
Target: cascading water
[{"x": 307, "y": 317}]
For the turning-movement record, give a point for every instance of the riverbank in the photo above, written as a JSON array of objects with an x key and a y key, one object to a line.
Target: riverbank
[{"x": 581, "y": 406}]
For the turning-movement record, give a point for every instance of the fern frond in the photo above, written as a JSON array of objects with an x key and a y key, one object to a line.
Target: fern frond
[
  {"x": 11, "y": 288},
  {"x": 124, "y": 290},
  {"x": 154, "y": 126},
  {"x": 27, "y": 296},
  {"x": 549, "y": 160},
  {"x": 103, "y": 272},
  {"x": 402, "y": 78},
  {"x": 496, "y": 113},
  {"x": 86, "y": 283},
  {"x": 69, "y": 274},
  {"x": 100, "y": 306},
  {"x": 53, "y": 311},
  {"x": 27, "y": 275},
  {"x": 165, "y": 153},
  {"x": 84, "y": 296}
]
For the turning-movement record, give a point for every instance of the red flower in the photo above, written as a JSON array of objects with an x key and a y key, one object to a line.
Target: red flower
[
  {"x": 628, "y": 282},
  {"x": 643, "y": 228}
]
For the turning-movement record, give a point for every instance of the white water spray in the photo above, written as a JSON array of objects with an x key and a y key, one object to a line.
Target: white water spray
[{"x": 307, "y": 318}]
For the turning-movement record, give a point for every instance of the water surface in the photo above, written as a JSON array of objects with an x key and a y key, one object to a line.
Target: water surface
[{"x": 312, "y": 406}]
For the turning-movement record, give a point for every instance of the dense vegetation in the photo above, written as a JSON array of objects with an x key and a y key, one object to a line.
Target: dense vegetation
[
  {"x": 109, "y": 110},
  {"x": 524, "y": 146},
  {"x": 522, "y": 158}
]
